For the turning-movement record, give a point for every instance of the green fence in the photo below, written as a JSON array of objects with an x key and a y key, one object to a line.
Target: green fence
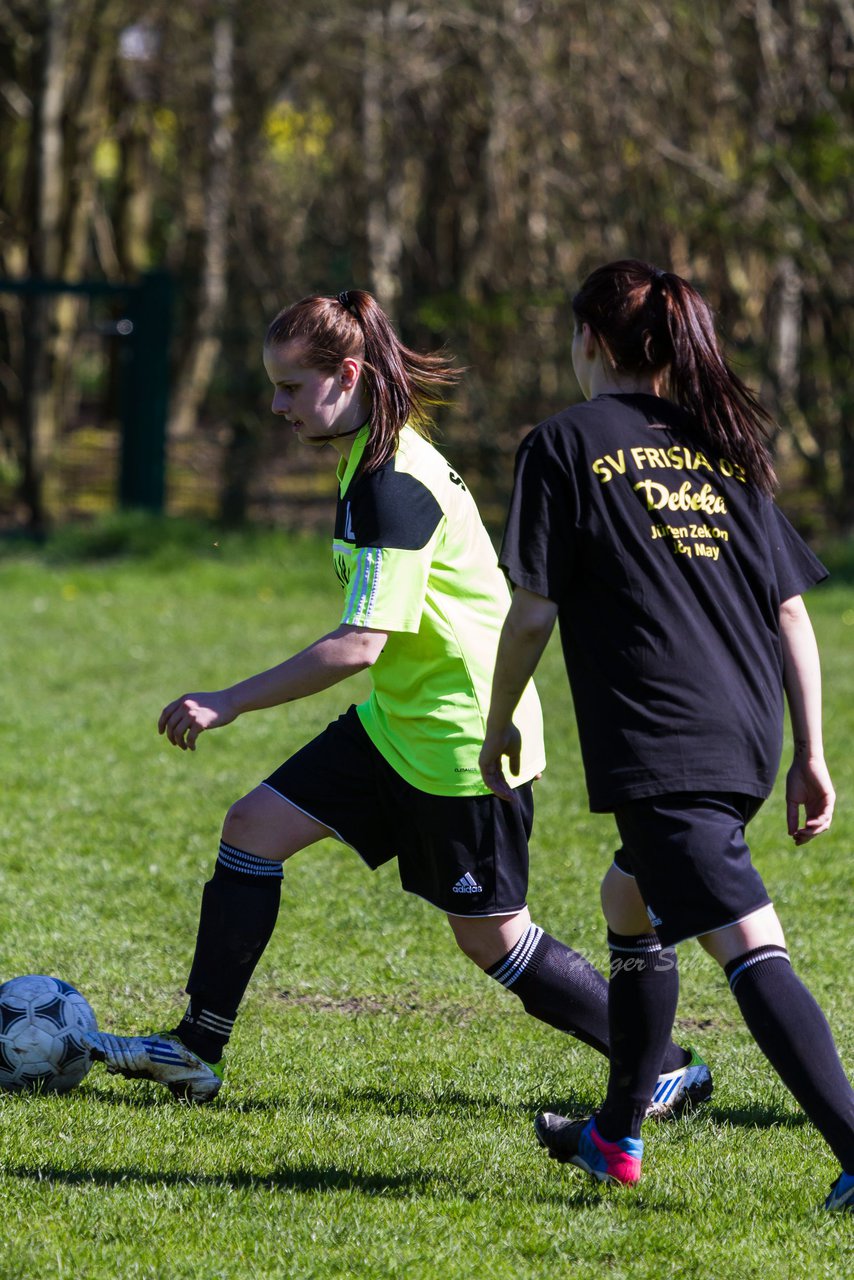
[{"x": 144, "y": 330}]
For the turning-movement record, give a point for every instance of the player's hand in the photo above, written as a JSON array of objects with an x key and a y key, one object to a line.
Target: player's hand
[
  {"x": 185, "y": 718},
  {"x": 497, "y": 744},
  {"x": 808, "y": 786}
]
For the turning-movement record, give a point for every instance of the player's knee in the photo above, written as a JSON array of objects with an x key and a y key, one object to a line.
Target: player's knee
[
  {"x": 470, "y": 945},
  {"x": 622, "y": 904},
  {"x": 761, "y": 928},
  {"x": 240, "y": 822},
  {"x": 487, "y": 940}
]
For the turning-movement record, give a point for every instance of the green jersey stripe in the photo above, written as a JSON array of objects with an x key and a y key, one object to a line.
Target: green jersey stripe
[{"x": 364, "y": 584}]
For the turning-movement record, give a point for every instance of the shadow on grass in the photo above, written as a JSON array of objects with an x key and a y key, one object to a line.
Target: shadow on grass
[
  {"x": 405, "y": 1104},
  {"x": 409, "y": 1104},
  {"x": 321, "y": 1178},
  {"x": 426, "y": 1183},
  {"x": 751, "y": 1116},
  {"x": 148, "y": 1098},
  {"x": 573, "y": 1191},
  {"x": 755, "y": 1115}
]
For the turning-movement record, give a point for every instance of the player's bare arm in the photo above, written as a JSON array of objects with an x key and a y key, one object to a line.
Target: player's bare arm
[
  {"x": 525, "y": 634},
  {"x": 329, "y": 660},
  {"x": 808, "y": 783}
]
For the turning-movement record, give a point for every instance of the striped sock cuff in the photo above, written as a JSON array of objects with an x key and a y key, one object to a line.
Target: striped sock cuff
[
  {"x": 641, "y": 944},
  {"x": 212, "y": 1024},
  {"x": 514, "y": 964},
  {"x": 738, "y": 967},
  {"x": 247, "y": 864}
]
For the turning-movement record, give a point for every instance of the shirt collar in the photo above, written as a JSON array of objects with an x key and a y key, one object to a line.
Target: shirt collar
[{"x": 347, "y": 466}]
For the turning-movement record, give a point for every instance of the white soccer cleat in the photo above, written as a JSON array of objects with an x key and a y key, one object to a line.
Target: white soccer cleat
[
  {"x": 160, "y": 1057},
  {"x": 681, "y": 1090}
]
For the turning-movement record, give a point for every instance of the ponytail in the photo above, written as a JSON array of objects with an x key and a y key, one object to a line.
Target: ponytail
[
  {"x": 404, "y": 386},
  {"x": 652, "y": 321}
]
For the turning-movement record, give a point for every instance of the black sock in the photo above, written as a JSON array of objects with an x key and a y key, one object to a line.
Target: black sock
[
  {"x": 560, "y": 987},
  {"x": 791, "y": 1030},
  {"x": 642, "y": 996},
  {"x": 240, "y": 904},
  {"x": 556, "y": 985}
]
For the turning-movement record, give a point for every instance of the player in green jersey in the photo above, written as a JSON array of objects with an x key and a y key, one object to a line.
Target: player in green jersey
[{"x": 396, "y": 777}]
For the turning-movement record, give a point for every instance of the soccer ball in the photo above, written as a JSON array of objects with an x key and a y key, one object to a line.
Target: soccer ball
[{"x": 40, "y": 1024}]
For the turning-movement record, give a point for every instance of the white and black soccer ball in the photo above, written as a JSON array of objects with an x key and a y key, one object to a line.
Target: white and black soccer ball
[{"x": 40, "y": 1024}]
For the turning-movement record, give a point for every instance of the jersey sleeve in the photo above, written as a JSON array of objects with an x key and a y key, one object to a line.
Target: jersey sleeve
[
  {"x": 538, "y": 549},
  {"x": 795, "y": 566},
  {"x": 396, "y": 524}
]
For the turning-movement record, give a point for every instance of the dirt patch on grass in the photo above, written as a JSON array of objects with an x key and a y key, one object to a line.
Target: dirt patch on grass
[{"x": 376, "y": 1005}]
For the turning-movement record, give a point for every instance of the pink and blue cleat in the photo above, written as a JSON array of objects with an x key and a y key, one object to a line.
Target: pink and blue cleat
[{"x": 579, "y": 1142}]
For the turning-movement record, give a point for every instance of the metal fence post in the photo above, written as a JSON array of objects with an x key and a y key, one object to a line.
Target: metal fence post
[{"x": 145, "y": 395}]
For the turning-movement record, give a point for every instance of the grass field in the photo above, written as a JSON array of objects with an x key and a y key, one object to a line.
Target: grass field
[{"x": 377, "y": 1115}]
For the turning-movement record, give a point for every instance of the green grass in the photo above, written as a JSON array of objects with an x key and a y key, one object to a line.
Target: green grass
[{"x": 376, "y": 1119}]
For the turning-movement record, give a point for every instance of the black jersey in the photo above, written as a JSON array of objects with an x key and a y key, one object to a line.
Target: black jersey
[{"x": 668, "y": 570}]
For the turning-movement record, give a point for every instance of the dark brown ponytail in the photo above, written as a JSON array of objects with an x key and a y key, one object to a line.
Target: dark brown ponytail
[
  {"x": 651, "y": 321},
  {"x": 404, "y": 385}
]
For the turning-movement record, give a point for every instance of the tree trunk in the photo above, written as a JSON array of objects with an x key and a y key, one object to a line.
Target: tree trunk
[
  {"x": 194, "y": 378},
  {"x": 384, "y": 241},
  {"x": 85, "y": 113},
  {"x": 38, "y": 423}
]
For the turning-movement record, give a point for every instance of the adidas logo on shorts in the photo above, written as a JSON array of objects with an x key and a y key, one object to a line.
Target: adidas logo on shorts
[{"x": 467, "y": 884}]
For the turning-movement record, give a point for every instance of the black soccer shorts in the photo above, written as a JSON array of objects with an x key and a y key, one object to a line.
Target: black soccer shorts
[
  {"x": 691, "y": 861},
  {"x": 466, "y": 855}
]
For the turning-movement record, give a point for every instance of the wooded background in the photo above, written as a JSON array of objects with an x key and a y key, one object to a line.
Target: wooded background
[{"x": 467, "y": 162}]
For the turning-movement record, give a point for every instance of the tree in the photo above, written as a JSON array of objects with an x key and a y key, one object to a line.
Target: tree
[{"x": 469, "y": 163}]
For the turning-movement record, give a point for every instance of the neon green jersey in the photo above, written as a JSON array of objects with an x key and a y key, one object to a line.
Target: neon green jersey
[{"x": 415, "y": 561}]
